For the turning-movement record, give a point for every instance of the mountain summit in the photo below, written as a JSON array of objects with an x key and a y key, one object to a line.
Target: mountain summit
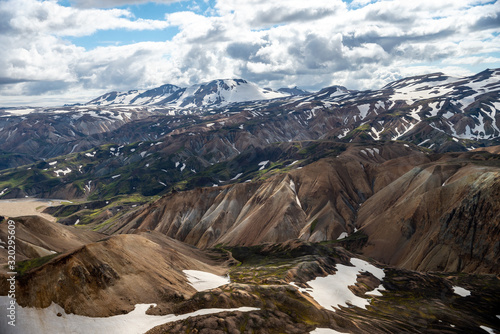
[{"x": 216, "y": 92}]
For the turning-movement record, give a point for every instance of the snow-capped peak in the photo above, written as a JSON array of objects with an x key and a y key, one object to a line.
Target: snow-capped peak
[{"x": 224, "y": 91}]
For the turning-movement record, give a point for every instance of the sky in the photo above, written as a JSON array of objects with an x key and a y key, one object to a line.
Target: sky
[{"x": 67, "y": 51}]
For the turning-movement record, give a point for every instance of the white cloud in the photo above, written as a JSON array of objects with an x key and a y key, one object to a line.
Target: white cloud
[
  {"x": 262, "y": 13},
  {"x": 30, "y": 17},
  {"x": 311, "y": 44},
  {"x": 115, "y": 3}
]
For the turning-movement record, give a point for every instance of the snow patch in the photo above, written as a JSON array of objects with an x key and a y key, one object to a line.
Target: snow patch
[
  {"x": 237, "y": 176},
  {"x": 87, "y": 186},
  {"x": 325, "y": 331},
  {"x": 64, "y": 172},
  {"x": 343, "y": 235},
  {"x": 363, "y": 110},
  {"x": 263, "y": 164},
  {"x": 201, "y": 280},
  {"x": 489, "y": 330},
  {"x": 344, "y": 133},
  {"x": 333, "y": 290},
  {"x": 461, "y": 291},
  {"x": 422, "y": 143}
]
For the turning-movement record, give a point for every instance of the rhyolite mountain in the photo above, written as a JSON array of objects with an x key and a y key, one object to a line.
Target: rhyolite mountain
[
  {"x": 273, "y": 190},
  {"x": 435, "y": 111}
]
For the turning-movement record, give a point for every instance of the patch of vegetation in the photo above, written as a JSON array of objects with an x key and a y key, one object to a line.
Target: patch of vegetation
[
  {"x": 313, "y": 226},
  {"x": 23, "y": 267}
]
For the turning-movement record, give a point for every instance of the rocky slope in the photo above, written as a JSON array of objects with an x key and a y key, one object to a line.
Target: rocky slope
[
  {"x": 417, "y": 210},
  {"x": 317, "y": 202},
  {"x": 442, "y": 217},
  {"x": 37, "y": 237},
  {"x": 409, "y": 302},
  {"x": 273, "y": 192},
  {"x": 111, "y": 276}
]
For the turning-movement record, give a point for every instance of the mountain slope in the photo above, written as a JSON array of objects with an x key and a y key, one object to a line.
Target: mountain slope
[
  {"x": 442, "y": 217},
  {"x": 155, "y": 95},
  {"x": 38, "y": 237},
  {"x": 111, "y": 276},
  {"x": 215, "y": 92},
  {"x": 333, "y": 197},
  {"x": 116, "y": 98}
]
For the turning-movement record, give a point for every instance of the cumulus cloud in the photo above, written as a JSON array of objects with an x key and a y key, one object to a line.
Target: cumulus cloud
[
  {"x": 115, "y": 3},
  {"x": 262, "y": 13},
  {"x": 30, "y": 18},
  {"x": 361, "y": 45}
]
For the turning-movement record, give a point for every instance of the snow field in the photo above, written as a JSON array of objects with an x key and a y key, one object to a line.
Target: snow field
[{"x": 332, "y": 291}]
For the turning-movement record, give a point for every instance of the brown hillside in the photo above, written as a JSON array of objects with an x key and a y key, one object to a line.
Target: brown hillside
[{"x": 111, "y": 276}]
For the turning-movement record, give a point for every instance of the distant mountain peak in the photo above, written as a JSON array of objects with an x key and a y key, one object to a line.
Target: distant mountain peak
[
  {"x": 222, "y": 92},
  {"x": 293, "y": 91},
  {"x": 214, "y": 92}
]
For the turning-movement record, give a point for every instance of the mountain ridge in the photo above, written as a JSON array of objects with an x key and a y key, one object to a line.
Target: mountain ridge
[{"x": 214, "y": 92}]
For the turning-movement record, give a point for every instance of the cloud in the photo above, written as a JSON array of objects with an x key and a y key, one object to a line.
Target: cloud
[
  {"x": 261, "y": 13},
  {"x": 30, "y": 17},
  {"x": 115, "y": 3},
  {"x": 313, "y": 44}
]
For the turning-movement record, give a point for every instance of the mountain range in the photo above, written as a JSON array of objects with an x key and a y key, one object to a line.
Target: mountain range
[
  {"x": 392, "y": 194},
  {"x": 216, "y": 92}
]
